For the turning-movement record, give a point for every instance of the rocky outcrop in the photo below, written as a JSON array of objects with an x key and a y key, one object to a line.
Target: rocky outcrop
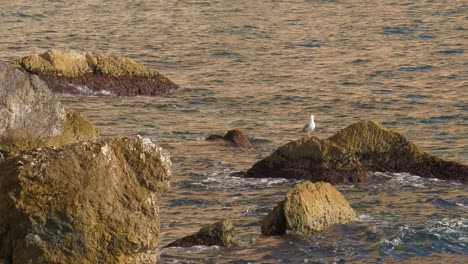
[
  {"x": 91, "y": 73},
  {"x": 88, "y": 202},
  {"x": 220, "y": 234},
  {"x": 234, "y": 137},
  {"x": 31, "y": 116},
  {"x": 348, "y": 156},
  {"x": 308, "y": 208}
]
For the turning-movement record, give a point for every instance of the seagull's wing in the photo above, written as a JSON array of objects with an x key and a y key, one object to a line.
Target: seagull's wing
[{"x": 305, "y": 128}]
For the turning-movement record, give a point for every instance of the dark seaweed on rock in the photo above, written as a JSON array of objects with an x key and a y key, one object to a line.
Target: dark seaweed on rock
[
  {"x": 347, "y": 157},
  {"x": 91, "y": 73}
]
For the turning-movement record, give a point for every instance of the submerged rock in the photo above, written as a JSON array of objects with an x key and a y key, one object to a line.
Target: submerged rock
[
  {"x": 220, "y": 233},
  {"x": 347, "y": 157},
  {"x": 31, "y": 116},
  {"x": 89, "y": 202},
  {"x": 308, "y": 208},
  {"x": 91, "y": 73},
  {"x": 235, "y": 137}
]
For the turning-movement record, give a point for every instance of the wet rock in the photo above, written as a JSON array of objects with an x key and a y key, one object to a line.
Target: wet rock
[
  {"x": 313, "y": 159},
  {"x": 31, "y": 116},
  {"x": 380, "y": 149},
  {"x": 308, "y": 208},
  {"x": 235, "y": 137},
  {"x": 220, "y": 233},
  {"x": 91, "y": 73},
  {"x": 88, "y": 202},
  {"x": 347, "y": 157}
]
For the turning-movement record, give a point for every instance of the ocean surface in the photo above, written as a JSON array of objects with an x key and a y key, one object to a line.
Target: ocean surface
[{"x": 264, "y": 67}]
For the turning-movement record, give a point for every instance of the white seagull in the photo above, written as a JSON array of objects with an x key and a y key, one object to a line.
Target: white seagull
[{"x": 310, "y": 126}]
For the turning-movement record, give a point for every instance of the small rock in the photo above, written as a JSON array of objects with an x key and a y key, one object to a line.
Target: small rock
[
  {"x": 220, "y": 234},
  {"x": 235, "y": 137},
  {"x": 308, "y": 208}
]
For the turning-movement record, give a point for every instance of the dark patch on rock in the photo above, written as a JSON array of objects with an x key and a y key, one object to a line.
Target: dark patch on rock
[
  {"x": 274, "y": 224},
  {"x": 220, "y": 233},
  {"x": 235, "y": 137},
  {"x": 88, "y": 202},
  {"x": 91, "y": 73},
  {"x": 104, "y": 84},
  {"x": 348, "y": 156}
]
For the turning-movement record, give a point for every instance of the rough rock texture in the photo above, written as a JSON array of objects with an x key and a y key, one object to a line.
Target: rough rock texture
[
  {"x": 31, "y": 116},
  {"x": 220, "y": 233},
  {"x": 235, "y": 137},
  {"x": 380, "y": 149},
  {"x": 347, "y": 157},
  {"x": 88, "y": 202},
  {"x": 91, "y": 73},
  {"x": 308, "y": 208},
  {"x": 313, "y": 159}
]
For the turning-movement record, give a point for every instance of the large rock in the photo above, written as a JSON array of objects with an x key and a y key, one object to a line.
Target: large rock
[
  {"x": 220, "y": 233},
  {"x": 31, "y": 116},
  {"x": 308, "y": 208},
  {"x": 88, "y": 202},
  {"x": 91, "y": 73},
  {"x": 348, "y": 156}
]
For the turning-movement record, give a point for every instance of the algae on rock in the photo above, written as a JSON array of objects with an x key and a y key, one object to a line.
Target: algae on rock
[
  {"x": 88, "y": 202},
  {"x": 92, "y": 73},
  {"x": 308, "y": 208},
  {"x": 348, "y": 156}
]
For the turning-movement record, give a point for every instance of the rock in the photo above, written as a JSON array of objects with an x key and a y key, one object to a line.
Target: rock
[
  {"x": 91, "y": 73},
  {"x": 380, "y": 149},
  {"x": 220, "y": 234},
  {"x": 312, "y": 159},
  {"x": 235, "y": 137},
  {"x": 348, "y": 156},
  {"x": 31, "y": 116},
  {"x": 308, "y": 208},
  {"x": 88, "y": 202}
]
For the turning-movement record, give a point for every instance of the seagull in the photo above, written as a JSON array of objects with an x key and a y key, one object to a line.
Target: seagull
[{"x": 310, "y": 126}]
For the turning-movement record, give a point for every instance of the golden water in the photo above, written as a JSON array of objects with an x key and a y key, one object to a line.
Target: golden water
[{"x": 264, "y": 67}]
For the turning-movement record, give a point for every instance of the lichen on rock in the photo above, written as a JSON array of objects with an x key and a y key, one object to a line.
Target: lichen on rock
[
  {"x": 88, "y": 202},
  {"x": 91, "y": 73},
  {"x": 348, "y": 156},
  {"x": 220, "y": 233},
  {"x": 308, "y": 208}
]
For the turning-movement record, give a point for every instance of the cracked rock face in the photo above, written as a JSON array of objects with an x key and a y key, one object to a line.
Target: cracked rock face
[
  {"x": 87, "y": 202},
  {"x": 308, "y": 208},
  {"x": 93, "y": 74}
]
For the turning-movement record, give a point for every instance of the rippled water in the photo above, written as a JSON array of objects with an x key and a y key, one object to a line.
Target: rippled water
[{"x": 264, "y": 66}]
